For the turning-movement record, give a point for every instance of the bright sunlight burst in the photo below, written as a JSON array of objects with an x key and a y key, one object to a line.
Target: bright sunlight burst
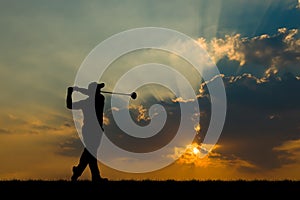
[{"x": 196, "y": 150}]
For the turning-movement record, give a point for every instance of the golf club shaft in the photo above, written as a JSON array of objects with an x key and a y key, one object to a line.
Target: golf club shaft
[{"x": 115, "y": 93}]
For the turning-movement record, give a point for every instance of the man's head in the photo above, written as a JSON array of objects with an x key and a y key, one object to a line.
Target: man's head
[
  {"x": 101, "y": 85},
  {"x": 93, "y": 86}
]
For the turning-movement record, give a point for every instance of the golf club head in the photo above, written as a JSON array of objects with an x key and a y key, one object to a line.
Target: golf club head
[{"x": 133, "y": 95}]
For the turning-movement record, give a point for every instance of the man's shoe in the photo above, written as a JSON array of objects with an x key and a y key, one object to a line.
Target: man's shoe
[{"x": 74, "y": 176}]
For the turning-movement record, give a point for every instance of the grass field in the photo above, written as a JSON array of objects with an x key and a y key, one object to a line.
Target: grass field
[{"x": 148, "y": 188}]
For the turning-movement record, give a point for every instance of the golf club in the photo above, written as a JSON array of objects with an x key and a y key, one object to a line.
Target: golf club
[{"x": 133, "y": 95}]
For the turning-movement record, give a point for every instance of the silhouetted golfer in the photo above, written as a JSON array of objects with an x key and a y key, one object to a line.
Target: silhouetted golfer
[{"x": 92, "y": 129}]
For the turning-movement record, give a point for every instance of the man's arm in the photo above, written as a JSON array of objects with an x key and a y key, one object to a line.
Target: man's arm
[
  {"x": 81, "y": 90},
  {"x": 69, "y": 97},
  {"x": 69, "y": 101},
  {"x": 99, "y": 105}
]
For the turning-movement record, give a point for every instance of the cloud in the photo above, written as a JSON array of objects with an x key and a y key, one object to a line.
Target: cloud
[
  {"x": 5, "y": 131},
  {"x": 270, "y": 92},
  {"x": 182, "y": 100},
  {"x": 291, "y": 148},
  {"x": 105, "y": 120},
  {"x": 52, "y": 123},
  {"x": 219, "y": 48},
  {"x": 43, "y": 127},
  {"x": 140, "y": 112},
  {"x": 261, "y": 114},
  {"x": 71, "y": 146},
  {"x": 269, "y": 52},
  {"x": 203, "y": 86}
]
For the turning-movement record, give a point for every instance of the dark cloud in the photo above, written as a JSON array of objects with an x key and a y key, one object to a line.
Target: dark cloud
[
  {"x": 70, "y": 147},
  {"x": 4, "y": 131},
  {"x": 272, "y": 94},
  {"x": 262, "y": 114},
  {"x": 67, "y": 124},
  {"x": 44, "y": 127},
  {"x": 278, "y": 51}
]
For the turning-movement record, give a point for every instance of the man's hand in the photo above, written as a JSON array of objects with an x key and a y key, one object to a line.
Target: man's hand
[{"x": 70, "y": 90}]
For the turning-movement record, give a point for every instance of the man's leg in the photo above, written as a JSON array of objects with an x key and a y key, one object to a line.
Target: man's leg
[
  {"x": 93, "y": 164},
  {"x": 83, "y": 162}
]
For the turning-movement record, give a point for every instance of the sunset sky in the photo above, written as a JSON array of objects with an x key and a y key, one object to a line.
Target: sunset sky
[{"x": 255, "y": 45}]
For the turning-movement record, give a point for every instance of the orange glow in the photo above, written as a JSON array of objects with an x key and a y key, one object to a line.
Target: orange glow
[{"x": 191, "y": 155}]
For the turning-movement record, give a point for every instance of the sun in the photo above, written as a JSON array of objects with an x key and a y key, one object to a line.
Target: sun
[{"x": 196, "y": 150}]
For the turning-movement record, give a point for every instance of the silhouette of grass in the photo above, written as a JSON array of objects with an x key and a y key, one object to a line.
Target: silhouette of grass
[{"x": 148, "y": 188}]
